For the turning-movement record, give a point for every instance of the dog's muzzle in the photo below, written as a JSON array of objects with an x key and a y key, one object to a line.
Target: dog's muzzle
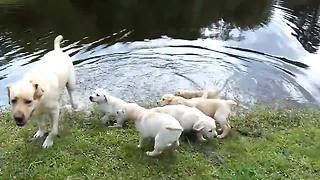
[{"x": 19, "y": 118}]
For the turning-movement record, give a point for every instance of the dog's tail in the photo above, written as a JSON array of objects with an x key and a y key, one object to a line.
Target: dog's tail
[
  {"x": 231, "y": 102},
  {"x": 57, "y": 42},
  {"x": 174, "y": 128}
]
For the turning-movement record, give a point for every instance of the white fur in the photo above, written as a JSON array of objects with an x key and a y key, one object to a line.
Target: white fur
[
  {"x": 49, "y": 77},
  {"x": 164, "y": 128},
  {"x": 108, "y": 104},
  {"x": 218, "y": 109},
  {"x": 191, "y": 119}
]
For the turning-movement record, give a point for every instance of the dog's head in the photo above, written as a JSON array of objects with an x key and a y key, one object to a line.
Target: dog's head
[
  {"x": 121, "y": 113},
  {"x": 24, "y": 98},
  {"x": 99, "y": 96},
  {"x": 178, "y": 93},
  {"x": 207, "y": 128},
  {"x": 167, "y": 99},
  {"x": 130, "y": 111}
]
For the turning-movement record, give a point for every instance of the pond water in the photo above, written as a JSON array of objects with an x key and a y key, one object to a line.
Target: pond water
[{"x": 267, "y": 51}]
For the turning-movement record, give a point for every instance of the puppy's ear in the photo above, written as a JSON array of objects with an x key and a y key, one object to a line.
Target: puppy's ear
[
  {"x": 38, "y": 91},
  {"x": 105, "y": 98},
  {"x": 8, "y": 90},
  {"x": 198, "y": 126},
  {"x": 120, "y": 111}
]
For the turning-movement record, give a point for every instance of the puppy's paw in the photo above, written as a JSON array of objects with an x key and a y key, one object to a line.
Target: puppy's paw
[
  {"x": 153, "y": 153},
  {"x": 115, "y": 126},
  {"x": 139, "y": 146},
  {"x": 47, "y": 143},
  {"x": 80, "y": 107},
  {"x": 67, "y": 108},
  {"x": 39, "y": 134},
  {"x": 220, "y": 137}
]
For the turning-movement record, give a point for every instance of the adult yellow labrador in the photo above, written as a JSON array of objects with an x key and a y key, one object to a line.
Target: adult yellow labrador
[{"x": 37, "y": 94}]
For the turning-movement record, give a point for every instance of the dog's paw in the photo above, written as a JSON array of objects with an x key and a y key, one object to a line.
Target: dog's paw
[
  {"x": 153, "y": 153},
  {"x": 47, "y": 143},
  {"x": 220, "y": 137},
  {"x": 67, "y": 108},
  {"x": 115, "y": 126},
  {"x": 139, "y": 146},
  {"x": 39, "y": 134}
]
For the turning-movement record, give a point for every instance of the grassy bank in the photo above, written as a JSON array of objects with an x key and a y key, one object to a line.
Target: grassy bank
[{"x": 269, "y": 144}]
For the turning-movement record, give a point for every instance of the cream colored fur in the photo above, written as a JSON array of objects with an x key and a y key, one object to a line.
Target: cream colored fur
[
  {"x": 38, "y": 93},
  {"x": 216, "y": 108},
  {"x": 191, "y": 119},
  {"x": 108, "y": 104},
  {"x": 188, "y": 94},
  {"x": 164, "y": 128}
]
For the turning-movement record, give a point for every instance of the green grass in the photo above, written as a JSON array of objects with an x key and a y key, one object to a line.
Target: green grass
[{"x": 269, "y": 145}]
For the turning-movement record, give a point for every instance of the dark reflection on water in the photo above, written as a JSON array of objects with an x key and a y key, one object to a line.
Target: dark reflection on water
[{"x": 268, "y": 50}]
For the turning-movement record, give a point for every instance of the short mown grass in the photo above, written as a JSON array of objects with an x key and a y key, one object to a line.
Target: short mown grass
[{"x": 265, "y": 144}]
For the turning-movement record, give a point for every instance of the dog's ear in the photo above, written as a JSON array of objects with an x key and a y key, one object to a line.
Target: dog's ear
[
  {"x": 198, "y": 126},
  {"x": 8, "y": 90},
  {"x": 120, "y": 111},
  {"x": 38, "y": 91}
]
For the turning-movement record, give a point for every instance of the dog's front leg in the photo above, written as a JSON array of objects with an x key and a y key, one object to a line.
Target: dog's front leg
[
  {"x": 54, "y": 116},
  {"x": 226, "y": 131},
  {"x": 41, "y": 131},
  {"x": 140, "y": 142},
  {"x": 119, "y": 122},
  {"x": 105, "y": 118}
]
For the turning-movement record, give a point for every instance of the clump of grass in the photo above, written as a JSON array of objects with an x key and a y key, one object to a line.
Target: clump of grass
[{"x": 287, "y": 147}]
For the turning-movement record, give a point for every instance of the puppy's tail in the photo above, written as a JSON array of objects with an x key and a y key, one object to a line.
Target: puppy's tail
[
  {"x": 174, "y": 128},
  {"x": 231, "y": 102},
  {"x": 57, "y": 42}
]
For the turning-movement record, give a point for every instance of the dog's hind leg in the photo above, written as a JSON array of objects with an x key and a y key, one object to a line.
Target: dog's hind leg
[
  {"x": 158, "y": 147},
  {"x": 71, "y": 85}
]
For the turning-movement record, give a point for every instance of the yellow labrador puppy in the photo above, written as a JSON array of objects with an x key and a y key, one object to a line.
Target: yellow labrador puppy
[
  {"x": 109, "y": 105},
  {"x": 191, "y": 118},
  {"x": 216, "y": 108},
  {"x": 188, "y": 94},
  {"x": 38, "y": 92},
  {"x": 164, "y": 128}
]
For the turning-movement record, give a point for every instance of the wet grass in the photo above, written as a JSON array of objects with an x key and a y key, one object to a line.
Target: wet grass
[{"x": 266, "y": 145}]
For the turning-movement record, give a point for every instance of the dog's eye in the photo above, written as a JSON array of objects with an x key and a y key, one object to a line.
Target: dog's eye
[
  {"x": 97, "y": 94},
  {"x": 13, "y": 101},
  {"x": 162, "y": 99},
  {"x": 28, "y": 101}
]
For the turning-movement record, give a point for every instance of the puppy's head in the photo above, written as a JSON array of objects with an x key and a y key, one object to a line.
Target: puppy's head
[
  {"x": 128, "y": 112},
  {"x": 99, "y": 96},
  {"x": 178, "y": 93},
  {"x": 207, "y": 129},
  {"x": 121, "y": 113},
  {"x": 166, "y": 99},
  {"x": 24, "y": 98}
]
